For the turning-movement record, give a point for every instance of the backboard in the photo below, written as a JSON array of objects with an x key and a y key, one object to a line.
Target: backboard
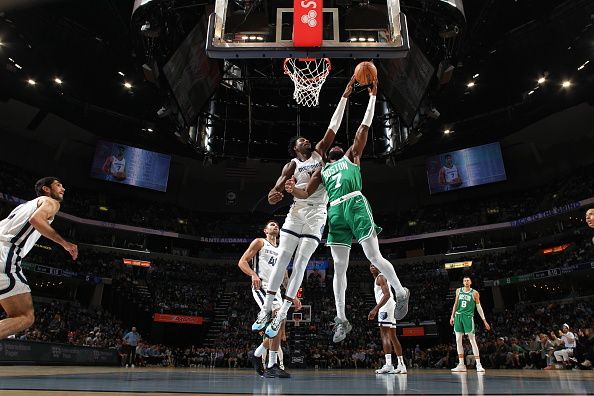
[{"x": 251, "y": 29}]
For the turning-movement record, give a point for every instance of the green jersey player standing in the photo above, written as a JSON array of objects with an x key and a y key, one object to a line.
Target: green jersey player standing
[
  {"x": 350, "y": 216},
  {"x": 463, "y": 321}
]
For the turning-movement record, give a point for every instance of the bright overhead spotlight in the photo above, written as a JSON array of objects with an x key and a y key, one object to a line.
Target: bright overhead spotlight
[
  {"x": 260, "y": 38},
  {"x": 252, "y": 37},
  {"x": 542, "y": 80},
  {"x": 531, "y": 92},
  {"x": 470, "y": 84},
  {"x": 353, "y": 39},
  {"x": 18, "y": 66},
  {"x": 475, "y": 76},
  {"x": 447, "y": 131},
  {"x": 58, "y": 81},
  {"x": 149, "y": 129},
  {"x": 370, "y": 39},
  {"x": 566, "y": 84},
  {"x": 10, "y": 59},
  {"x": 362, "y": 39},
  {"x": 31, "y": 81},
  {"x": 584, "y": 65},
  {"x": 121, "y": 74},
  {"x": 128, "y": 85}
]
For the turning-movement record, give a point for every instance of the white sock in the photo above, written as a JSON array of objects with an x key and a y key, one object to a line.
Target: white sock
[
  {"x": 461, "y": 361},
  {"x": 285, "y": 308},
  {"x": 388, "y": 359},
  {"x": 272, "y": 358},
  {"x": 340, "y": 256},
  {"x": 478, "y": 362},
  {"x": 260, "y": 350},
  {"x": 280, "y": 356},
  {"x": 265, "y": 357},
  {"x": 371, "y": 249},
  {"x": 400, "y": 361}
]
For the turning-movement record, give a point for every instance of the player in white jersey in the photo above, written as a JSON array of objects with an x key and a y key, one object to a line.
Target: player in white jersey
[
  {"x": 304, "y": 224},
  {"x": 449, "y": 177},
  {"x": 384, "y": 310},
  {"x": 18, "y": 233},
  {"x": 115, "y": 166},
  {"x": 263, "y": 253}
]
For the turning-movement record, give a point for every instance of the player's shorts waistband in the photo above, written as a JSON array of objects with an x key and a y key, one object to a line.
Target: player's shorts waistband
[{"x": 345, "y": 197}]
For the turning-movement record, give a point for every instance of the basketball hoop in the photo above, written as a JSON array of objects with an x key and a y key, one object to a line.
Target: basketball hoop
[
  {"x": 308, "y": 75},
  {"x": 296, "y": 320}
]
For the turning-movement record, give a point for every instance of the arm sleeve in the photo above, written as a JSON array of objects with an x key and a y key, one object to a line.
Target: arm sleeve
[{"x": 480, "y": 311}]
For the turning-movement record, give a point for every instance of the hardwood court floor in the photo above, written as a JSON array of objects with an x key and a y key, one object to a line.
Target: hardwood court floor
[{"x": 97, "y": 381}]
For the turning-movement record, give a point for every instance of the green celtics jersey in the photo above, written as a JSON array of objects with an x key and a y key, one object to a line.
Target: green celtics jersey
[
  {"x": 466, "y": 302},
  {"x": 341, "y": 177}
]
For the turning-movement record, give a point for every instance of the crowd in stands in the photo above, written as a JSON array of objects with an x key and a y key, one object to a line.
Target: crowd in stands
[{"x": 511, "y": 206}]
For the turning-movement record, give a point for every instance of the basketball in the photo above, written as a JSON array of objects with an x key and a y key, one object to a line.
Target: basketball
[{"x": 365, "y": 73}]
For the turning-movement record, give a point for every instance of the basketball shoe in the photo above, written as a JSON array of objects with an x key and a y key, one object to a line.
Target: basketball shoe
[
  {"x": 257, "y": 363},
  {"x": 460, "y": 368},
  {"x": 341, "y": 329},
  {"x": 401, "y": 308},
  {"x": 262, "y": 320},
  {"x": 276, "y": 372},
  {"x": 479, "y": 368},
  {"x": 274, "y": 326},
  {"x": 386, "y": 369}
]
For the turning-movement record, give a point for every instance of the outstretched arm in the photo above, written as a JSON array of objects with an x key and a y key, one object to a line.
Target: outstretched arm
[
  {"x": 356, "y": 150},
  {"x": 276, "y": 195},
  {"x": 324, "y": 144},
  {"x": 310, "y": 188},
  {"x": 46, "y": 211}
]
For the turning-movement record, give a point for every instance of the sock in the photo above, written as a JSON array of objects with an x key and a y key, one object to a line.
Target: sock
[
  {"x": 340, "y": 256},
  {"x": 461, "y": 361},
  {"x": 260, "y": 350},
  {"x": 371, "y": 249},
  {"x": 285, "y": 308},
  {"x": 388, "y": 359},
  {"x": 478, "y": 362},
  {"x": 272, "y": 358},
  {"x": 400, "y": 361},
  {"x": 265, "y": 358}
]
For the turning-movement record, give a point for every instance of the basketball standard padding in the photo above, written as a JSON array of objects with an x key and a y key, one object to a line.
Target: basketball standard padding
[
  {"x": 365, "y": 73},
  {"x": 308, "y": 20}
]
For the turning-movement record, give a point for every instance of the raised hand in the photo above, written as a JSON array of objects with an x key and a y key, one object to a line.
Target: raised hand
[
  {"x": 349, "y": 88},
  {"x": 373, "y": 89}
]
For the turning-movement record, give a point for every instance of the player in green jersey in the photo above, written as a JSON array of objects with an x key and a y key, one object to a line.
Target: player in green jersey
[
  {"x": 463, "y": 321},
  {"x": 349, "y": 215}
]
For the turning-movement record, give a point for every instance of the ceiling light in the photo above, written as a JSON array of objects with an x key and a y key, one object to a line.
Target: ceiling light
[
  {"x": 244, "y": 37},
  {"x": 470, "y": 84},
  {"x": 149, "y": 129},
  {"x": 31, "y": 81},
  {"x": 10, "y": 59},
  {"x": 566, "y": 84},
  {"x": 252, "y": 37},
  {"x": 121, "y": 74},
  {"x": 542, "y": 80},
  {"x": 531, "y": 92},
  {"x": 475, "y": 76},
  {"x": 584, "y": 65},
  {"x": 361, "y": 38},
  {"x": 353, "y": 39},
  {"x": 58, "y": 81},
  {"x": 18, "y": 66},
  {"x": 447, "y": 131},
  {"x": 370, "y": 39},
  {"x": 128, "y": 85},
  {"x": 260, "y": 38},
  {"x": 1, "y": 44}
]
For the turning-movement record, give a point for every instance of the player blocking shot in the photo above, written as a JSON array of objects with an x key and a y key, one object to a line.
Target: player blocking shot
[
  {"x": 463, "y": 321},
  {"x": 350, "y": 216},
  {"x": 302, "y": 230}
]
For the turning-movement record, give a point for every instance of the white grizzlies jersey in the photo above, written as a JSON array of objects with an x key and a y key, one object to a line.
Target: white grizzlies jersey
[
  {"x": 377, "y": 290},
  {"x": 450, "y": 173},
  {"x": 303, "y": 173},
  {"x": 117, "y": 165},
  {"x": 264, "y": 261},
  {"x": 16, "y": 230}
]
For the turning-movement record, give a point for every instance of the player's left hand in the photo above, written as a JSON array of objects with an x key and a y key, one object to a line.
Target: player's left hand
[
  {"x": 297, "y": 304},
  {"x": 290, "y": 185},
  {"x": 349, "y": 88},
  {"x": 372, "y": 314},
  {"x": 487, "y": 326},
  {"x": 275, "y": 197}
]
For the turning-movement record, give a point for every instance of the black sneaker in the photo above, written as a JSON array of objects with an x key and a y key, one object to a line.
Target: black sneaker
[
  {"x": 276, "y": 372},
  {"x": 257, "y": 363}
]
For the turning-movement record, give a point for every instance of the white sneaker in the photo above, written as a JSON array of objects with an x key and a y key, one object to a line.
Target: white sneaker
[
  {"x": 341, "y": 329},
  {"x": 132, "y": 366},
  {"x": 262, "y": 320},
  {"x": 127, "y": 366},
  {"x": 274, "y": 327},
  {"x": 386, "y": 369},
  {"x": 480, "y": 368},
  {"x": 460, "y": 368},
  {"x": 401, "y": 369},
  {"x": 401, "y": 308}
]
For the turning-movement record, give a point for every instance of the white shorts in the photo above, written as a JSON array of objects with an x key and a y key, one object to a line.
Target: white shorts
[
  {"x": 12, "y": 280},
  {"x": 385, "y": 317},
  {"x": 306, "y": 220},
  {"x": 260, "y": 296}
]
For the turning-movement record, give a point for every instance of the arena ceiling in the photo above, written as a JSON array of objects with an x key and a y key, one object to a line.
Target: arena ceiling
[{"x": 94, "y": 47}]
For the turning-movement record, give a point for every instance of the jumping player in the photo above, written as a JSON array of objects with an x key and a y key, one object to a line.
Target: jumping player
[
  {"x": 463, "y": 321},
  {"x": 349, "y": 215},
  {"x": 263, "y": 253},
  {"x": 304, "y": 224},
  {"x": 18, "y": 233},
  {"x": 384, "y": 310}
]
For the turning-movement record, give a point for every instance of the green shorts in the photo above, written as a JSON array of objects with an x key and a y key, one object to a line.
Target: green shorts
[
  {"x": 463, "y": 324},
  {"x": 350, "y": 219}
]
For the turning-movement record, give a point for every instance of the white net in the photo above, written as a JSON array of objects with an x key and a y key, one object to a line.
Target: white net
[{"x": 308, "y": 75}]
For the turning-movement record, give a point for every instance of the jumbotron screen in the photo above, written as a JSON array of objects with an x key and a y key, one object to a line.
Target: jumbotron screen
[
  {"x": 130, "y": 165},
  {"x": 468, "y": 167}
]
